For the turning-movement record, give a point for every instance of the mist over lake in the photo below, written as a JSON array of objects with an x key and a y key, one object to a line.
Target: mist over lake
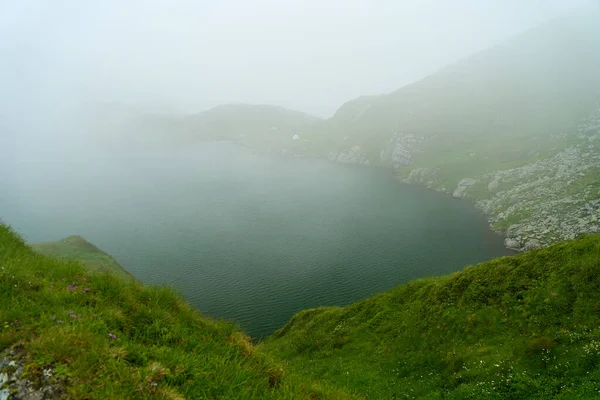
[{"x": 245, "y": 236}]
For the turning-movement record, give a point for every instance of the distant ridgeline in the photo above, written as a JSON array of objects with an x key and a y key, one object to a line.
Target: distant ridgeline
[{"x": 522, "y": 327}]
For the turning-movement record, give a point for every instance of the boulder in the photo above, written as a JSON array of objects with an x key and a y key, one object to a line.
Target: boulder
[
  {"x": 513, "y": 231},
  {"x": 532, "y": 244},
  {"x": 513, "y": 244}
]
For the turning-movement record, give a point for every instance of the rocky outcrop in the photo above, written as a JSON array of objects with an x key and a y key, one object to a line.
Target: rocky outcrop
[
  {"x": 22, "y": 380},
  {"x": 399, "y": 150},
  {"x": 553, "y": 199},
  {"x": 463, "y": 186},
  {"x": 423, "y": 176},
  {"x": 396, "y": 153},
  {"x": 353, "y": 155}
]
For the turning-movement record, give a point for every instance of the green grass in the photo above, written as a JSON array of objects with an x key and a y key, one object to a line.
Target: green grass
[
  {"x": 512, "y": 219},
  {"x": 77, "y": 248},
  {"x": 590, "y": 181},
  {"x": 61, "y": 315},
  {"x": 522, "y": 327}
]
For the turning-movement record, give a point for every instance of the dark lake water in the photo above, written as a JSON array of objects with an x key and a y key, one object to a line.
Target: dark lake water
[{"x": 245, "y": 236}]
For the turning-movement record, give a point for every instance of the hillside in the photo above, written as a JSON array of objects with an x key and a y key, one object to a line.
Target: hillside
[
  {"x": 542, "y": 82},
  {"x": 263, "y": 127},
  {"x": 515, "y": 128},
  {"x": 77, "y": 248},
  {"x": 247, "y": 122},
  {"x": 521, "y": 327},
  {"x": 67, "y": 331}
]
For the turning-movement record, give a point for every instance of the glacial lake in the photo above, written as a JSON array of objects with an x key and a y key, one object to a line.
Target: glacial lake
[{"x": 245, "y": 236}]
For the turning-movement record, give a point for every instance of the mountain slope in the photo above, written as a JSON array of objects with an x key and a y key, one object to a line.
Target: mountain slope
[
  {"x": 522, "y": 327},
  {"x": 542, "y": 82},
  {"x": 66, "y": 331},
  {"x": 232, "y": 120},
  {"x": 264, "y": 127}
]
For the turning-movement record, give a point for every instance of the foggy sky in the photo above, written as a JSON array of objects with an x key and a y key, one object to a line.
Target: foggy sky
[{"x": 188, "y": 56}]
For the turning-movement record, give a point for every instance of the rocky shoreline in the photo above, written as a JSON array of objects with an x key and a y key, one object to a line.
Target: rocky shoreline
[{"x": 553, "y": 199}]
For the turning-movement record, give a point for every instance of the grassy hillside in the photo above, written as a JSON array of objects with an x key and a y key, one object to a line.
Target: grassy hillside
[
  {"x": 95, "y": 336},
  {"x": 263, "y": 127},
  {"x": 522, "y": 327},
  {"x": 77, "y": 248}
]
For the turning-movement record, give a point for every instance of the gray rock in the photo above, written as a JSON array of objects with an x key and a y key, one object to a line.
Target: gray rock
[
  {"x": 512, "y": 244},
  {"x": 17, "y": 387},
  {"x": 353, "y": 155},
  {"x": 399, "y": 150},
  {"x": 463, "y": 186},
  {"x": 513, "y": 231},
  {"x": 494, "y": 185},
  {"x": 532, "y": 244},
  {"x": 562, "y": 169},
  {"x": 422, "y": 176}
]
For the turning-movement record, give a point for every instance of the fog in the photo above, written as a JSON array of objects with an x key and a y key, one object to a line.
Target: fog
[{"x": 189, "y": 56}]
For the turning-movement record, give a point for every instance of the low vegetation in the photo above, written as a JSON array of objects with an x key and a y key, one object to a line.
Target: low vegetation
[
  {"x": 108, "y": 338},
  {"x": 77, "y": 248},
  {"x": 522, "y": 327}
]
